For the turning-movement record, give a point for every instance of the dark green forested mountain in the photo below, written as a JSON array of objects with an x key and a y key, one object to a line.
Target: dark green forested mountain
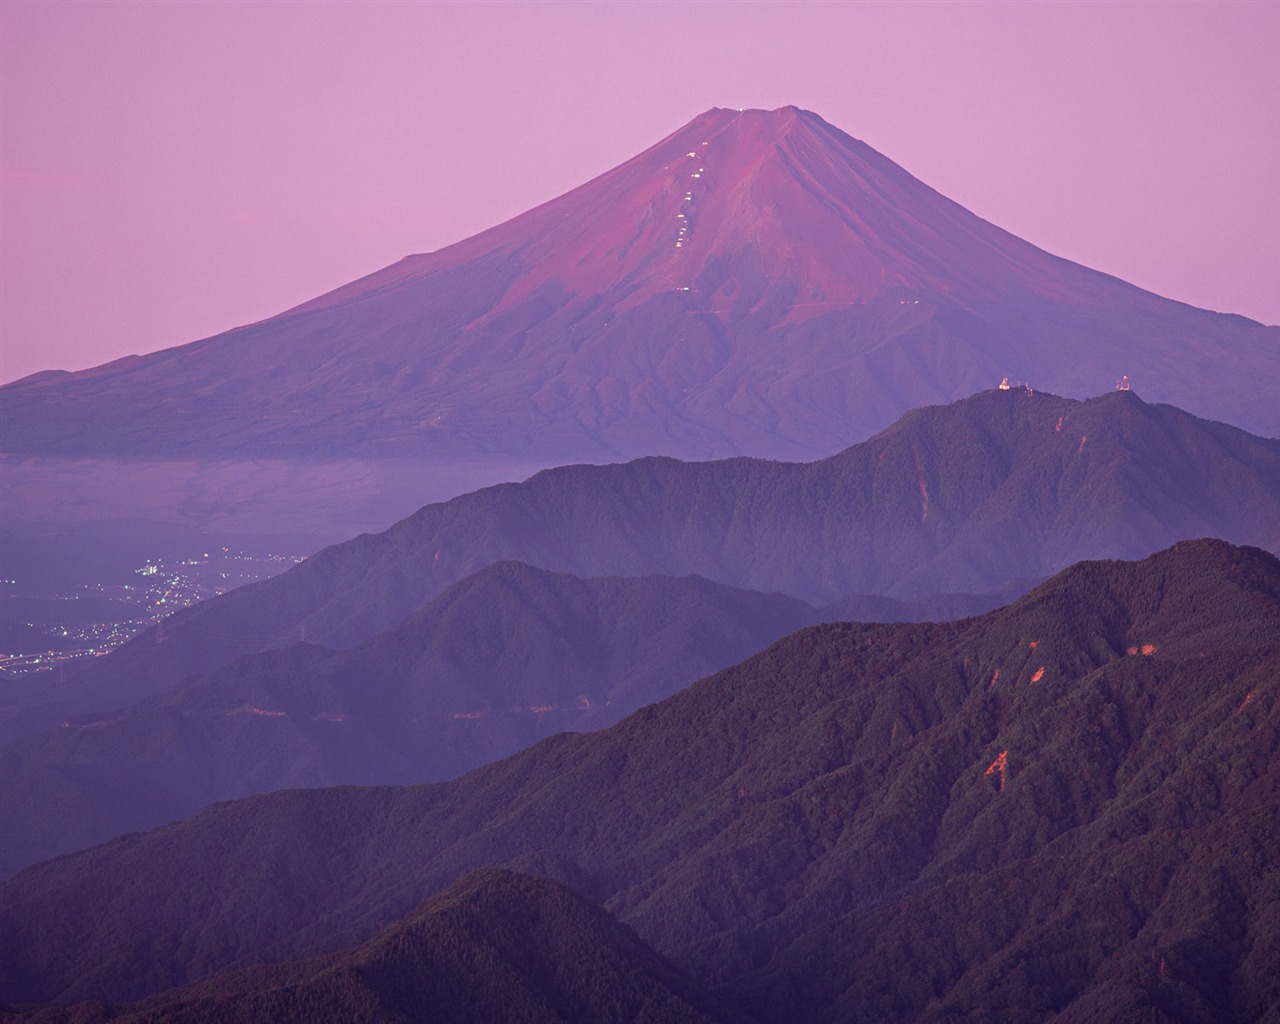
[
  {"x": 496, "y": 946},
  {"x": 1062, "y": 810},
  {"x": 965, "y": 498}
]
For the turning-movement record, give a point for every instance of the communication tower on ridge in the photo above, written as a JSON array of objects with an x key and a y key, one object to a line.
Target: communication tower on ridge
[{"x": 1123, "y": 383}]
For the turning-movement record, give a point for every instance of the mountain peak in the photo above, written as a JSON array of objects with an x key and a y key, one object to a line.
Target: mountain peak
[
  {"x": 785, "y": 116},
  {"x": 738, "y": 213},
  {"x": 757, "y": 282}
]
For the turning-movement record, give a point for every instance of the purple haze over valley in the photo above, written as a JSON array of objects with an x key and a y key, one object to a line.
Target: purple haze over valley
[{"x": 171, "y": 171}]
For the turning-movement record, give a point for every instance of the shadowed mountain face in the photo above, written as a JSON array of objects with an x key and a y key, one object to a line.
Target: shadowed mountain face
[
  {"x": 496, "y": 946},
  {"x": 499, "y": 661},
  {"x": 756, "y": 283},
  {"x": 1067, "y": 806},
  {"x": 958, "y": 499}
]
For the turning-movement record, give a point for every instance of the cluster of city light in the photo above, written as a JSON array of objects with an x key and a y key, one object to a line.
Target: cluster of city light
[{"x": 165, "y": 588}]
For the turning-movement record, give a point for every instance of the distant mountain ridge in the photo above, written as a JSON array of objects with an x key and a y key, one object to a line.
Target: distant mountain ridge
[
  {"x": 756, "y": 283},
  {"x": 966, "y": 498},
  {"x": 498, "y": 661},
  {"x": 1063, "y": 810}
]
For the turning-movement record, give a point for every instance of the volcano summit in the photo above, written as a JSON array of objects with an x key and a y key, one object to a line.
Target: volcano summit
[{"x": 756, "y": 283}]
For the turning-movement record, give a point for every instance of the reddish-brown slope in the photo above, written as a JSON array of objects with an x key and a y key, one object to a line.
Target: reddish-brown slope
[{"x": 782, "y": 291}]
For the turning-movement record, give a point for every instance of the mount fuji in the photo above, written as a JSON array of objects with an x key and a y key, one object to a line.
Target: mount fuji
[{"x": 757, "y": 283}]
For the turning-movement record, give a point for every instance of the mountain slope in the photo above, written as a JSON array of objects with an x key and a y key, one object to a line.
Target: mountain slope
[
  {"x": 494, "y": 947},
  {"x": 500, "y": 660},
  {"x": 1065, "y": 807},
  {"x": 758, "y": 282},
  {"x": 965, "y": 498}
]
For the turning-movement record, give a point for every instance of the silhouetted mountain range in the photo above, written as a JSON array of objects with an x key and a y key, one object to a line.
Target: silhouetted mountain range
[
  {"x": 500, "y": 660},
  {"x": 756, "y": 283},
  {"x": 965, "y": 498},
  {"x": 1064, "y": 807}
]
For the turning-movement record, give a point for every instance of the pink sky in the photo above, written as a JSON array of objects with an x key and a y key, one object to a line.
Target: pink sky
[{"x": 173, "y": 170}]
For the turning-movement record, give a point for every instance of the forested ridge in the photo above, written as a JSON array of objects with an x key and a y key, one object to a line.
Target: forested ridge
[{"x": 1064, "y": 807}]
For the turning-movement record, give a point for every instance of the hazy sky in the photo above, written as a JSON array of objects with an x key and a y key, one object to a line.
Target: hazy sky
[{"x": 171, "y": 170}]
